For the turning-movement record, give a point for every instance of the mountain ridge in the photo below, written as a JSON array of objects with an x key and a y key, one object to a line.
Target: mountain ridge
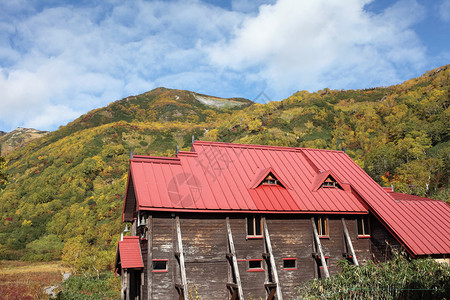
[
  {"x": 19, "y": 137},
  {"x": 67, "y": 187}
]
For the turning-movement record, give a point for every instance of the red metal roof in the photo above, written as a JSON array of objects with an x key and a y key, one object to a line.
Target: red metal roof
[
  {"x": 422, "y": 226},
  {"x": 129, "y": 253},
  {"x": 224, "y": 177}
]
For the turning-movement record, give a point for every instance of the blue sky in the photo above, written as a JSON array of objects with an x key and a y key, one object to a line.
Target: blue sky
[{"x": 60, "y": 59}]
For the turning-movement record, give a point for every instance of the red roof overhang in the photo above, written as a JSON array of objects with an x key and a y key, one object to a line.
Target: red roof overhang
[{"x": 129, "y": 254}]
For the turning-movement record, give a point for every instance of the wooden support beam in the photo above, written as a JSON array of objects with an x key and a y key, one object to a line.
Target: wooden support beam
[
  {"x": 234, "y": 296},
  {"x": 181, "y": 259},
  {"x": 123, "y": 289},
  {"x": 149, "y": 257},
  {"x": 232, "y": 285},
  {"x": 272, "y": 293},
  {"x": 319, "y": 248},
  {"x": 128, "y": 281},
  {"x": 234, "y": 260},
  {"x": 272, "y": 260},
  {"x": 349, "y": 242}
]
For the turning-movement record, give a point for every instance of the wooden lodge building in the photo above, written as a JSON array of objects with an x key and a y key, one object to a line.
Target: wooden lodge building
[{"x": 233, "y": 221}]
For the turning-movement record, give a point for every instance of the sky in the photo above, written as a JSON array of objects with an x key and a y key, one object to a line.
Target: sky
[{"x": 62, "y": 58}]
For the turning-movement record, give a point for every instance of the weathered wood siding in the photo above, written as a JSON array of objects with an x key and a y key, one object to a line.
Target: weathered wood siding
[
  {"x": 292, "y": 238},
  {"x": 252, "y": 282},
  {"x": 205, "y": 247},
  {"x": 381, "y": 241},
  {"x": 204, "y": 240},
  {"x": 163, "y": 240}
]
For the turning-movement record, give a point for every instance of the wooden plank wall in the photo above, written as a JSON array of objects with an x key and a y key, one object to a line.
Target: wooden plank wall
[
  {"x": 204, "y": 240},
  {"x": 252, "y": 282},
  {"x": 205, "y": 247},
  {"x": 292, "y": 238},
  {"x": 163, "y": 248},
  {"x": 381, "y": 251}
]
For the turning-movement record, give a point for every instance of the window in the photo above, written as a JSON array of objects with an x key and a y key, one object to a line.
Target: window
[
  {"x": 363, "y": 226},
  {"x": 254, "y": 227},
  {"x": 322, "y": 226},
  {"x": 255, "y": 265},
  {"x": 290, "y": 263},
  {"x": 329, "y": 183},
  {"x": 159, "y": 265},
  {"x": 270, "y": 180}
]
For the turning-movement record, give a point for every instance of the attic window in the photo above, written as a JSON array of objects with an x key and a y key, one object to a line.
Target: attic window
[
  {"x": 270, "y": 180},
  {"x": 329, "y": 182}
]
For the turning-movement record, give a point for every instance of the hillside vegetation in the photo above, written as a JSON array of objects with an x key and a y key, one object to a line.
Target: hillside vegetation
[{"x": 64, "y": 191}]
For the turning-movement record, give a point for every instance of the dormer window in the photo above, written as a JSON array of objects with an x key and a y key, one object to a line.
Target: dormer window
[
  {"x": 329, "y": 182},
  {"x": 270, "y": 180}
]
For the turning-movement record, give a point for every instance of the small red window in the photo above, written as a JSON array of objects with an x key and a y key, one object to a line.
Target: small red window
[
  {"x": 160, "y": 265},
  {"x": 255, "y": 265},
  {"x": 290, "y": 263}
]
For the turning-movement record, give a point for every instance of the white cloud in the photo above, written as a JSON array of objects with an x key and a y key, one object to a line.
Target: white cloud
[
  {"x": 73, "y": 59},
  {"x": 444, "y": 10},
  {"x": 315, "y": 44},
  {"x": 51, "y": 115},
  {"x": 58, "y": 61}
]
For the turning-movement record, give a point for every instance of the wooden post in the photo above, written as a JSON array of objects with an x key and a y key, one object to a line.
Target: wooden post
[
  {"x": 234, "y": 259},
  {"x": 128, "y": 283},
  {"x": 272, "y": 259},
  {"x": 319, "y": 247},
  {"x": 181, "y": 258},
  {"x": 149, "y": 257},
  {"x": 123, "y": 289},
  {"x": 349, "y": 242}
]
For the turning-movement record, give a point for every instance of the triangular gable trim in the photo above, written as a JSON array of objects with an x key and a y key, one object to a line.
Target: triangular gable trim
[
  {"x": 262, "y": 174},
  {"x": 130, "y": 189},
  {"x": 321, "y": 177}
]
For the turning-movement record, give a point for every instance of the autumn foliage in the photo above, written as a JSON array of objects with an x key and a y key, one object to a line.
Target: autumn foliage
[{"x": 64, "y": 193}]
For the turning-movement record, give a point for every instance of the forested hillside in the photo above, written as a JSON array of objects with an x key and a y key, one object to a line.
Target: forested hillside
[{"x": 65, "y": 191}]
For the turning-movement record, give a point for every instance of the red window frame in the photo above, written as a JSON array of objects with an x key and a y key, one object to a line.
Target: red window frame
[
  {"x": 160, "y": 270},
  {"x": 290, "y": 259},
  {"x": 260, "y": 269}
]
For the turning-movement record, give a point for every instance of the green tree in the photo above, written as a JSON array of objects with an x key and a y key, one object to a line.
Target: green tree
[{"x": 3, "y": 174}]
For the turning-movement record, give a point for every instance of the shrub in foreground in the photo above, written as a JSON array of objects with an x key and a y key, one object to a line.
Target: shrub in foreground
[
  {"x": 106, "y": 286},
  {"x": 399, "y": 278}
]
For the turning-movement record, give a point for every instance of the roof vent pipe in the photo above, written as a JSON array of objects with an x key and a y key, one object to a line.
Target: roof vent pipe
[
  {"x": 131, "y": 154},
  {"x": 177, "y": 150},
  {"x": 193, "y": 139}
]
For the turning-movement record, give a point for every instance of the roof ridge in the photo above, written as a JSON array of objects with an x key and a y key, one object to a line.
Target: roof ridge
[
  {"x": 326, "y": 150},
  {"x": 155, "y": 159},
  {"x": 238, "y": 145}
]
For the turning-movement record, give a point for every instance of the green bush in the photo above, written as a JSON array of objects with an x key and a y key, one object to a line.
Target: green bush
[
  {"x": 107, "y": 286},
  {"x": 399, "y": 278}
]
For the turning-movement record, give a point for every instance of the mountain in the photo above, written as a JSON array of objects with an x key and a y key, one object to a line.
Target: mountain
[
  {"x": 17, "y": 138},
  {"x": 66, "y": 189}
]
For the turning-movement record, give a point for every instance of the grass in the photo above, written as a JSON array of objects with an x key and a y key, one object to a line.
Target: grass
[{"x": 25, "y": 280}]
